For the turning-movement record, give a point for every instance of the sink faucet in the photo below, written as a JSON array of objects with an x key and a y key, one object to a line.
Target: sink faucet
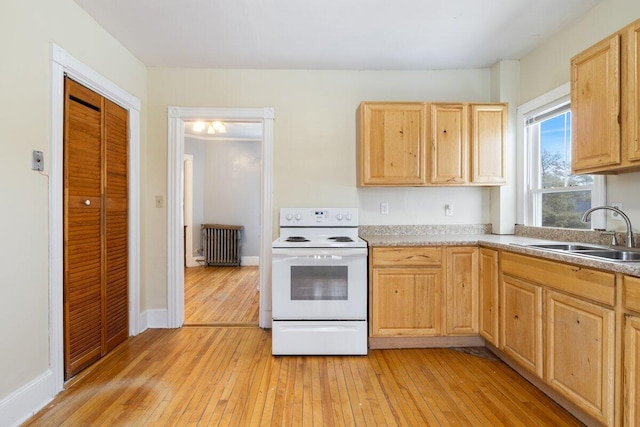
[{"x": 629, "y": 239}]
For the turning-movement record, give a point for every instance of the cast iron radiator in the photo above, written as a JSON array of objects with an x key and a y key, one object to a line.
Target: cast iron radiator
[{"x": 221, "y": 244}]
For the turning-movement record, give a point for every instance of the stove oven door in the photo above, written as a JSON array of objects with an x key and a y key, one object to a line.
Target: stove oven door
[{"x": 319, "y": 284}]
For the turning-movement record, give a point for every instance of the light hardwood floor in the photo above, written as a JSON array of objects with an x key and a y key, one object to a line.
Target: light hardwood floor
[
  {"x": 226, "y": 376},
  {"x": 221, "y": 296}
]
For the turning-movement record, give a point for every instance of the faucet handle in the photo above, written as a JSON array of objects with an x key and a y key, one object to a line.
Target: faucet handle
[{"x": 614, "y": 237}]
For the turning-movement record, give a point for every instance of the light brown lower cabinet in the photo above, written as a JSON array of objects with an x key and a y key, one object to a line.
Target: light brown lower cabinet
[
  {"x": 424, "y": 292},
  {"x": 521, "y": 322},
  {"x": 580, "y": 349},
  {"x": 488, "y": 295},
  {"x": 407, "y": 302},
  {"x": 632, "y": 372},
  {"x": 406, "y": 292},
  {"x": 461, "y": 290}
]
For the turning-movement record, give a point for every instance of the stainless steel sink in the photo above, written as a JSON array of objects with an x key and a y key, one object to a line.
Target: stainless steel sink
[
  {"x": 612, "y": 254},
  {"x": 564, "y": 247}
]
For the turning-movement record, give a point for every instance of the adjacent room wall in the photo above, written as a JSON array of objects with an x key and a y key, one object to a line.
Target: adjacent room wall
[
  {"x": 548, "y": 67},
  {"x": 195, "y": 147},
  {"x": 226, "y": 188}
]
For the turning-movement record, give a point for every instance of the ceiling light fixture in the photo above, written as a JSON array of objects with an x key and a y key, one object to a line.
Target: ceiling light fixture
[
  {"x": 199, "y": 126},
  {"x": 211, "y": 127}
]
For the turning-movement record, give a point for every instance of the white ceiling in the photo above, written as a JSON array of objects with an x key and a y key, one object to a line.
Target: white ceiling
[{"x": 333, "y": 34}]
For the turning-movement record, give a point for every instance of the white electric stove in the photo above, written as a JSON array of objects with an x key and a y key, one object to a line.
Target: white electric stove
[{"x": 319, "y": 283}]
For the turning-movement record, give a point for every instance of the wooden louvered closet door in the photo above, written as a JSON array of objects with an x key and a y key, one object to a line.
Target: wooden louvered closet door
[{"x": 95, "y": 226}]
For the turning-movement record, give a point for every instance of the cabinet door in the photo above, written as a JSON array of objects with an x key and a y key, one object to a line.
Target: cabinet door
[
  {"x": 392, "y": 144},
  {"x": 633, "y": 91},
  {"x": 448, "y": 159},
  {"x": 595, "y": 106},
  {"x": 632, "y": 372},
  {"x": 488, "y": 142},
  {"x": 521, "y": 322},
  {"x": 488, "y": 304},
  {"x": 580, "y": 353},
  {"x": 461, "y": 291},
  {"x": 406, "y": 302}
]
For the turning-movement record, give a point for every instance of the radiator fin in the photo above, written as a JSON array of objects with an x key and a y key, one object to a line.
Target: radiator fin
[{"x": 221, "y": 244}]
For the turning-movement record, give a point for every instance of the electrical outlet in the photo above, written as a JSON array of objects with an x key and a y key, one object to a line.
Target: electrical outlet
[
  {"x": 448, "y": 209},
  {"x": 384, "y": 208},
  {"x": 37, "y": 161},
  {"x": 614, "y": 215}
]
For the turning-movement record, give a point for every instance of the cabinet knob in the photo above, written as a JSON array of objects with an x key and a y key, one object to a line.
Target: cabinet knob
[{"x": 87, "y": 202}]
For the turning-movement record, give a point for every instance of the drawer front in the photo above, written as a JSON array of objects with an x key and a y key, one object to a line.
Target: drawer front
[
  {"x": 580, "y": 281},
  {"x": 407, "y": 256},
  {"x": 632, "y": 293}
]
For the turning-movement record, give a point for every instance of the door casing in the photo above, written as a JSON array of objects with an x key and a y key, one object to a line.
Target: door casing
[
  {"x": 62, "y": 63},
  {"x": 175, "y": 200}
]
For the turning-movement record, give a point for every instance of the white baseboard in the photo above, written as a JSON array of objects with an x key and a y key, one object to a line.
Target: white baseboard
[
  {"x": 154, "y": 319},
  {"x": 249, "y": 260},
  {"x": 193, "y": 261},
  {"x": 27, "y": 400}
]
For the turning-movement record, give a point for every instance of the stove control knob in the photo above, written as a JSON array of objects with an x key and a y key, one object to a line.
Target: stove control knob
[
  {"x": 349, "y": 217},
  {"x": 298, "y": 217},
  {"x": 289, "y": 217},
  {"x": 339, "y": 217}
]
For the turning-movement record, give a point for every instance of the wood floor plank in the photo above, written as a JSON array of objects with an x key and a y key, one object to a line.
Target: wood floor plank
[
  {"x": 221, "y": 295},
  {"x": 228, "y": 377}
]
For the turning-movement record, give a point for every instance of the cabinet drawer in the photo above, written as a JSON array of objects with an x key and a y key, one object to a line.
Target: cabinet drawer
[
  {"x": 583, "y": 282},
  {"x": 632, "y": 293},
  {"x": 407, "y": 256}
]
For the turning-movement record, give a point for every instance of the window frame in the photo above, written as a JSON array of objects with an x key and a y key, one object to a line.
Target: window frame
[{"x": 529, "y": 191}]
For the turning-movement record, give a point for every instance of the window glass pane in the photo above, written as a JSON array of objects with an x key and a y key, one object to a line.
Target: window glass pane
[
  {"x": 565, "y": 209},
  {"x": 555, "y": 154}
]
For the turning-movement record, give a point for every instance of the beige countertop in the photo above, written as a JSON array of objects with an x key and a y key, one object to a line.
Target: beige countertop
[{"x": 511, "y": 243}]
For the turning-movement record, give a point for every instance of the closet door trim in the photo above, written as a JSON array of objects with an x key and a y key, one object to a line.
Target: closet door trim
[{"x": 62, "y": 63}]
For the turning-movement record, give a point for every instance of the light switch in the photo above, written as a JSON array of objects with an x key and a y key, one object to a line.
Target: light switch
[{"x": 159, "y": 202}]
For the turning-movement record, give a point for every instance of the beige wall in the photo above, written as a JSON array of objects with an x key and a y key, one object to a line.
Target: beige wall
[
  {"x": 314, "y": 142},
  {"x": 26, "y": 31},
  {"x": 548, "y": 67}
]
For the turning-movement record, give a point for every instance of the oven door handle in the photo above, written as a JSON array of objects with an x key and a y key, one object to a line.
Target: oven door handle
[{"x": 302, "y": 252}]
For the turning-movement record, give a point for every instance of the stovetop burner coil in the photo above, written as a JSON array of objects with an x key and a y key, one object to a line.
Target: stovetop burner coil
[
  {"x": 341, "y": 239},
  {"x": 296, "y": 239}
]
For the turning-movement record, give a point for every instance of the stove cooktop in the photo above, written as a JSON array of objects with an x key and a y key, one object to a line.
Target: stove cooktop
[
  {"x": 319, "y": 228},
  {"x": 319, "y": 242}
]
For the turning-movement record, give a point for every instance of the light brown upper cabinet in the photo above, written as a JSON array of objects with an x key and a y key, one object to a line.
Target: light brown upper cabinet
[
  {"x": 488, "y": 141},
  {"x": 449, "y": 144},
  {"x": 605, "y": 102},
  {"x": 465, "y": 146},
  {"x": 392, "y": 144}
]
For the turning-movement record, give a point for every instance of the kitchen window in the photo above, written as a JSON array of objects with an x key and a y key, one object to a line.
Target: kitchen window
[{"x": 554, "y": 197}]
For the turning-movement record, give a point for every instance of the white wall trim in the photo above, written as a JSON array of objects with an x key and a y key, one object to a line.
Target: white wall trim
[
  {"x": 175, "y": 151},
  {"x": 154, "y": 319},
  {"x": 28, "y": 399},
  {"x": 62, "y": 63},
  {"x": 249, "y": 260}
]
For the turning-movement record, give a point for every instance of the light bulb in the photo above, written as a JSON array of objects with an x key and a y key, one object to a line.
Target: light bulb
[{"x": 198, "y": 126}]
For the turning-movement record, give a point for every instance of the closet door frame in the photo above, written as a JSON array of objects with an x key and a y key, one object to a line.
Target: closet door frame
[{"x": 62, "y": 63}]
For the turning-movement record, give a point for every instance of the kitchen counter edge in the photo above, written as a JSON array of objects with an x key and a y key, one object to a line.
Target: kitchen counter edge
[{"x": 511, "y": 243}]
